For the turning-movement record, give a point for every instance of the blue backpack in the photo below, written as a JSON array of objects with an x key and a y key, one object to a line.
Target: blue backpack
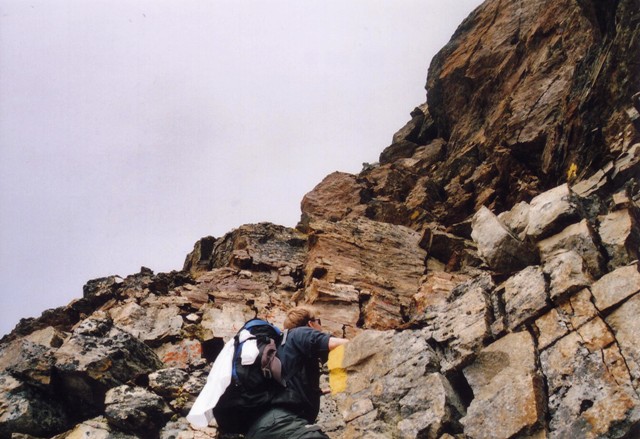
[{"x": 256, "y": 376}]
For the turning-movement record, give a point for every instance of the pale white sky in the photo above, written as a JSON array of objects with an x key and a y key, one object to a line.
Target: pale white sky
[{"x": 129, "y": 129}]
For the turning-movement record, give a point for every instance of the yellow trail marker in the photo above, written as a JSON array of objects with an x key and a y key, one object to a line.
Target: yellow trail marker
[
  {"x": 572, "y": 172},
  {"x": 337, "y": 374}
]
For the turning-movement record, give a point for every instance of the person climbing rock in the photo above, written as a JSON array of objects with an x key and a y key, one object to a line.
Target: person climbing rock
[{"x": 294, "y": 411}]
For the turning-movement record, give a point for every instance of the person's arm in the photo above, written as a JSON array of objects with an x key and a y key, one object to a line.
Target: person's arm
[{"x": 334, "y": 342}]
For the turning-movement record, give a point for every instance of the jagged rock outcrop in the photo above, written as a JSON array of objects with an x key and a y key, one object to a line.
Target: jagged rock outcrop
[{"x": 486, "y": 269}]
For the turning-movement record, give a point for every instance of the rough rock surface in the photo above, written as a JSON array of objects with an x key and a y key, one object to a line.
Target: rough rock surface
[
  {"x": 486, "y": 269},
  {"x": 504, "y": 378},
  {"x": 136, "y": 409}
]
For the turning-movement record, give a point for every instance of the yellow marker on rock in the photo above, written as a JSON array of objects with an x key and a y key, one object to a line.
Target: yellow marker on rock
[
  {"x": 572, "y": 172},
  {"x": 337, "y": 374}
]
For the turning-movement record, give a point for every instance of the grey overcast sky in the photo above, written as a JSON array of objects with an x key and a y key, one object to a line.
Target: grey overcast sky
[{"x": 129, "y": 129}]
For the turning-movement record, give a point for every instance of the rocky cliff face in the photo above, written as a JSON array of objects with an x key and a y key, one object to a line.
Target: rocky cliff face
[{"x": 486, "y": 269}]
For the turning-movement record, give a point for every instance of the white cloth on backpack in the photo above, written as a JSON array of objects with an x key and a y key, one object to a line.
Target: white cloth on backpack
[
  {"x": 249, "y": 352},
  {"x": 244, "y": 335},
  {"x": 217, "y": 382}
]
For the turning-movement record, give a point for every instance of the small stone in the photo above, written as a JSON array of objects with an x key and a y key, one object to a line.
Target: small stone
[
  {"x": 168, "y": 382},
  {"x": 192, "y": 318}
]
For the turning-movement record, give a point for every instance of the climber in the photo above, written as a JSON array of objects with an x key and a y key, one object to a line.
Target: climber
[{"x": 295, "y": 409}]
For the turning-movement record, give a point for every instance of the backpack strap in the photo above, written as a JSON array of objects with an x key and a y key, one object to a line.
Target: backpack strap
[
  {"x": 237, "y": 348},
  {"x": 254, "y": 322},
  {"x": 270, "y": 363}
]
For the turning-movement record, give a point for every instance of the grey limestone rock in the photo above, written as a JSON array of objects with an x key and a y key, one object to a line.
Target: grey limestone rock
[
  {"x": 550, "y": 212},
  {"x": 498, "y": 246},
  {"x": 136, "y": 409}
]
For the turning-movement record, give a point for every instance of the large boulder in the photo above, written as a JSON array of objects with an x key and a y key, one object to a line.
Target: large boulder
[
  {"x": 151, "y": 324},
  {"x": 96, "y": 357},
  {"x": 30, "y": 362},
  {"x": 137, "y": 410},
  {"x": 580, "y": 238},
  {"x": 263, "y": 246},
  {"x": 386, "y": 384},
  {"x": 616, "y": 286},
  {"x": 506, "y": 386},
  {"x": 333, "y": 198},
  {"x": 591, "y": 393},
  {"x": 625, "y": 325},
  {"x": 498, "y": 246},
  {"x": 27, "y": 410},
  {"x": 567, "y": 272},
  {"x": 551, "y": 212},
  {"x": 619, "y": 233},
  {"x": 525, "y": 296},
  {"x": 460, "y": 326}
]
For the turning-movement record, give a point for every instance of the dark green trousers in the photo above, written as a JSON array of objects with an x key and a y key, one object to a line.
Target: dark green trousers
[{"x": 282, "y": 424}]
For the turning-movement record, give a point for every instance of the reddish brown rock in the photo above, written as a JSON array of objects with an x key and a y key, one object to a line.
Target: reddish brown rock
[
  {"x": 337, "y": 305},
  {"x": 383, "y": 262},
  {"x": 435, "y": 290},
  {"x": 527, "y": 97},
  {"x": 333, "y": 198},
  {"x": 498, "y": 82},
  {"x": 181, "y": 354}
]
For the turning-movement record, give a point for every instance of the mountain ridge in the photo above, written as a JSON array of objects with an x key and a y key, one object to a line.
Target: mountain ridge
[{"x": 485, "y": 269}]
